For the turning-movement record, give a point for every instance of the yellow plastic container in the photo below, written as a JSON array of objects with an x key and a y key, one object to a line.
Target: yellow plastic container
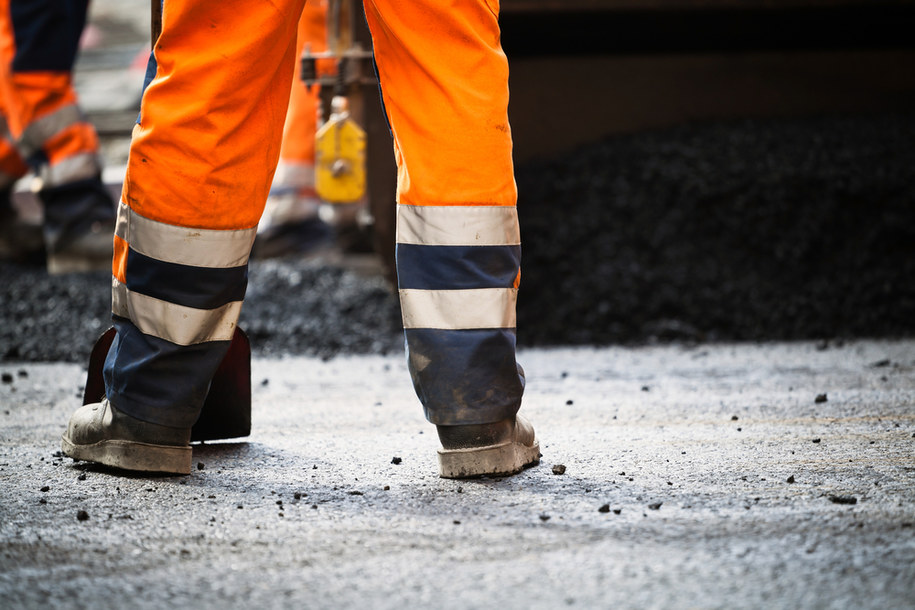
[{"x": 340, "y": 157}]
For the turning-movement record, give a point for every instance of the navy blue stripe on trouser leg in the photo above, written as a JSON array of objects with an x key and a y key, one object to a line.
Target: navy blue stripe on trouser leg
[
  {"x": 184, "y": 284},
  {"x": 461, "y": 375},
  {"x": 47, "y": 33},
  {"x": 457, "y": 267},
  {"x": 150, "y": 377}
]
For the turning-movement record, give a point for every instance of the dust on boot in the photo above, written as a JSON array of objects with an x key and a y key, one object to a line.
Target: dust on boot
[
  {"x": 497, "y": 449},
  {"x": 102, "y": 434}
]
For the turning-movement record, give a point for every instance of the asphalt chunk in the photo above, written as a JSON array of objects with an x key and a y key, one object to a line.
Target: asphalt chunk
[{"x": 843, "y": 499}]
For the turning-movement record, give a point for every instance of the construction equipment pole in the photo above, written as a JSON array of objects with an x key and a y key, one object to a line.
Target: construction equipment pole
[{"x": 155, "y": 21}]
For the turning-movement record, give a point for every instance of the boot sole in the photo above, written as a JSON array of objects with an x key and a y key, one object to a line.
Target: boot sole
[
  {"x": 495, "y": 460},
  {"x": 130, "y": 455}
]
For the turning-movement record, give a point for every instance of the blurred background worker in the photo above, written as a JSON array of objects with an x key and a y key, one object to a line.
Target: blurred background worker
[
  {"x": 45, "y": 129},
  {"x": 202, "y": 160},
  {"x": 290, "y": 223}
]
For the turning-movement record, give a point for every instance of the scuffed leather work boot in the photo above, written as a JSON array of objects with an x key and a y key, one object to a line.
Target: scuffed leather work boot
[
  {"x": 498, "y": 449},
  {"x": 102, "y": 434}
]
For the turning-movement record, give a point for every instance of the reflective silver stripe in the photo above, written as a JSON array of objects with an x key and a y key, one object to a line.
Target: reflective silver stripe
[
  {"x": 75, "y": 167},
  {"x": 459, "y": 309},
  {"x": 458, "y": 225},
  {"x": 182, "y": 245},
  {"x": 175, "y": 323},
  {"x": 119, "y": 298},
  {"x": 48, "y": 126}
]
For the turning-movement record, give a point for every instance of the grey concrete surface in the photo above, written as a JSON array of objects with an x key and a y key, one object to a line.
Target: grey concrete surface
[{"x": 676, "y": 491}]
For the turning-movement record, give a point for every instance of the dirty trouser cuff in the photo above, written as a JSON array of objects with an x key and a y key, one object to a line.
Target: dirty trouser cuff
[
  {"x": 156, "y": 381},
  {"x": 465, "y": 376}
]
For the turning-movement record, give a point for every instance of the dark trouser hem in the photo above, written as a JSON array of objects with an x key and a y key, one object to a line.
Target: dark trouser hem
[
  {"x": 465, "y": 376},
  {"x": 156, "y": 381}
]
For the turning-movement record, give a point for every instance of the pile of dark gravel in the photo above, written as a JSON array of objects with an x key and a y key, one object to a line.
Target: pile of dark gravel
[
  {"x": 293, "y": 307},
  {"x": 746, "y": 230},
  {"x": 45, "y": 318}
]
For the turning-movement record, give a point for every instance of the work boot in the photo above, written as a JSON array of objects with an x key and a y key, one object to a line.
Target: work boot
[
  {"x": 79, "y": 222},
  {"x": 499, "y": 449},
  {"x": 90, "y": 250},
  {"x": 20, "y": 241},
  {"x": 102, "y": 434}
]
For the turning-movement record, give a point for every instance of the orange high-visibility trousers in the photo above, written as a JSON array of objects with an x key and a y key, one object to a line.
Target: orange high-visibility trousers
[
  {"x": 201, "y": 162},
  {"x": 297, "y": 153},
  {"x": 444, "y": 80},
  {"x": 44, "y": 125},
  {"x": 200, "y": 167},
  {"x": 36, "y": 89}
]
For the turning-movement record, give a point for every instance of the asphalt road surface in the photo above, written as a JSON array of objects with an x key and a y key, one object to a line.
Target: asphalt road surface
[
  {"x": 697, "y": 474},
  {"x": 725, "y": 476}
]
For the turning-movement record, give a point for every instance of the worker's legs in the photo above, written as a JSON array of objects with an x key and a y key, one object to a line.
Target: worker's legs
[
  {"x": 201, "y": 162},
  {"x": 200, "y": 167},
  {"x": 297, "y": 153},
  {"x": 38, "y": 44},
  {"x": 290, "y": 222},
  {"x": 444, "y": 79}
]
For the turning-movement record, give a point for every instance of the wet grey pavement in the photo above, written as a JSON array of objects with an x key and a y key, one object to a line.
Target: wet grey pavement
[{"x": 728, "y": 476}]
